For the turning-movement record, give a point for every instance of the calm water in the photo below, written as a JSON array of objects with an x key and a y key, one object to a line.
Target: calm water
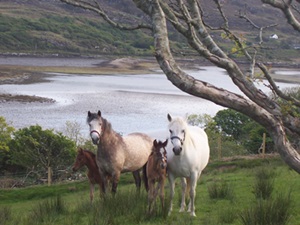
[{"x": 130, "y": 102}]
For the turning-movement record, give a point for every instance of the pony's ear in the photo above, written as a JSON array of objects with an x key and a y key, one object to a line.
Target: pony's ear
[
  {"x": 155, "y": 142},
  {"x": 89, "y": 114},
  {"x": 99, "y": 113},
  {"x": 165, "y": 143},
  {"x": 169, "y": 117}
]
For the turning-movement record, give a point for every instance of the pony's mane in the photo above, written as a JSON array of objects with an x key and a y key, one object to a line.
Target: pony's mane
[
  {"x": 90, "y": 152},
  {"x": 105, "y": 123},
  {"x": 92, "y": 116}
]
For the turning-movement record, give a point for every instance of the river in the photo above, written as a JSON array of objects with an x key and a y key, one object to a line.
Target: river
[{"x": 130, "y": 102}]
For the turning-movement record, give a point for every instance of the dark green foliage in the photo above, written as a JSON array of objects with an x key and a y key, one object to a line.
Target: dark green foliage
[
  {"x": 37, "y": 149},
  {"x": 264, "y": 183},
  {"x": 275, "y": 211},
  {"x": 61, "y": 33},
  {"x": 5, "y": 137},
  {"x": 47, "y": 210},
  {"x": 243, "y": 130},
  {"x": 231, "y": 122},
  {"x": 220, "y": 190},
  {"x": 5, "y": 215}
]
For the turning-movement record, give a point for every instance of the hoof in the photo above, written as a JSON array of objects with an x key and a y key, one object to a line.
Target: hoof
[{"x": 193, "y": 214}]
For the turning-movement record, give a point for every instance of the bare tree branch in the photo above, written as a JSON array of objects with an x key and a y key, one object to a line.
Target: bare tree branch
[
  {"x": 186, "y": 18},
  {"x": 275, "y": 87},
  {"x": 285, "y": 7},
  {"x": 261, "y": 29}
]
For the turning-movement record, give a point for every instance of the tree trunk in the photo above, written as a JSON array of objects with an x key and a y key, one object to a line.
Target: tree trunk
[
  {"x": 188, "y": 84},
  {"x": 49, "y": 176}
]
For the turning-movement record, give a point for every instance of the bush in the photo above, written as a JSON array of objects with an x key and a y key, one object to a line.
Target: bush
[
  {"x": 47, "y": 210},
  {"x": 264, "y": 183},
  {"x": 5, "y": 215},
  {"x": 220, "y": 190},
  {"x": 268, "y": 212}
]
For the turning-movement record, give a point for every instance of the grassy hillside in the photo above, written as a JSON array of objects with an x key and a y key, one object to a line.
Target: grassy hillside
[
  {"x": 226, "y": 194},
  {"x": 51, "y": 27},
  {"x": 46, "y": 28}
]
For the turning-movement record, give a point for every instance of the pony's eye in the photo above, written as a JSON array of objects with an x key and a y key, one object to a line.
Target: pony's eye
[
  {"x": 182, "y": 131},
  {"x": 170, "y": 131}
]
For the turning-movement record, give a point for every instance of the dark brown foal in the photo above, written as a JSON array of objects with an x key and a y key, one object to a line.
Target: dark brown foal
[
  {"x": 156, "y": 172},
  {"x": 88, "y": 159}
]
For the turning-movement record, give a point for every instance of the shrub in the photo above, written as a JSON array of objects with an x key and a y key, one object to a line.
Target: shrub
[
  {"x": 227, "y": 216},
  {"x": 268, "y": 212},
  {"x": 220, "y": 190},
  {"x": 264, "y": 183},
  {"x": 5, "y": 215},
  {"x": 47, "y": 210}
]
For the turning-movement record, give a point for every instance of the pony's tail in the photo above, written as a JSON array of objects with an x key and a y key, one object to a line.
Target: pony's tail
[{"x": 145, "y": 177}]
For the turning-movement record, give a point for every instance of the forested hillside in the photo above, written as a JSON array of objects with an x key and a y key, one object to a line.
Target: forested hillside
[{"x": 52, "y": 27}]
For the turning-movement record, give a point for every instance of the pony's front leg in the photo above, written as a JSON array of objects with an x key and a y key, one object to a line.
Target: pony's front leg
[
  {"x": 171, "y": 179},
  {"x": 183, "y": 190},
  {"x": 151, "y": 191},
  {"x": 92, "y": 189},
  {"x": 115, "y": 181},
  {"x": 193, "y": 183},
  {"x": 162, "y": 194}
]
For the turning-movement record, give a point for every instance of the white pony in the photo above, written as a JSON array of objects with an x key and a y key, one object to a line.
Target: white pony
[{"x": 187, "y": 156}]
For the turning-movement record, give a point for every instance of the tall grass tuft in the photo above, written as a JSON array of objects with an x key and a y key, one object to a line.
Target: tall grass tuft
[
  {"x": 47, "y": 210},
  {"x": 220, "y": 190},
  {"x": 227, "y": 215},
  {"x": 264, "y": 183},
  {"x": 127, "y": 207},
  {"x": 268, "y": 212},
  {"x": 5, "y": 215}
]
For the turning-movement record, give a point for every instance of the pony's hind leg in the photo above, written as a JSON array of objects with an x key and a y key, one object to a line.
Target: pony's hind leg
[
  {"x": 145, "y": 177},
  {"x": 183, "y": 191},
  {"x": 137, "y": 179}
]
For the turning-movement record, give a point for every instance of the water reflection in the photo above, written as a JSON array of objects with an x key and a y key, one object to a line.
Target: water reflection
[{"x": 130, "y": 102}]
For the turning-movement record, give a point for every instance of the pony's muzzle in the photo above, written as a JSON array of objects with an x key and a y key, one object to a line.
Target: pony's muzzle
[
  {"x": 95, "y": 140},
  {"x": 95, "y": 137},
  {"x": 163, "y": 165},
  {"x": 177, "y": 150}
]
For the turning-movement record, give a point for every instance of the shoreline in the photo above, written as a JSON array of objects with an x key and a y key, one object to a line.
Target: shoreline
[{"x": 30, "y": 74}]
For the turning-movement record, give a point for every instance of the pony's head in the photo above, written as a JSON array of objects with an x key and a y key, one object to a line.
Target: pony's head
[
  {"x": 80, "y": 160},
  {"x": 177, "y": 128},
  {"x": 159, "y": 148},
  {"x": 95, "y": 123}
]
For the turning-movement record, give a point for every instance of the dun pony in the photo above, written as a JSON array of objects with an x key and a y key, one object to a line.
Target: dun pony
[{"x": 117, "y": 154}]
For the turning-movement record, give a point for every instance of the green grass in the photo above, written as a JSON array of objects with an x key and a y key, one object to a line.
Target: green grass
[{"x": 61, "y": 204}]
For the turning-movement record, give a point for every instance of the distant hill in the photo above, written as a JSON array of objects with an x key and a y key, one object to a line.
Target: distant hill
[{"x": 52, "y": 27}]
